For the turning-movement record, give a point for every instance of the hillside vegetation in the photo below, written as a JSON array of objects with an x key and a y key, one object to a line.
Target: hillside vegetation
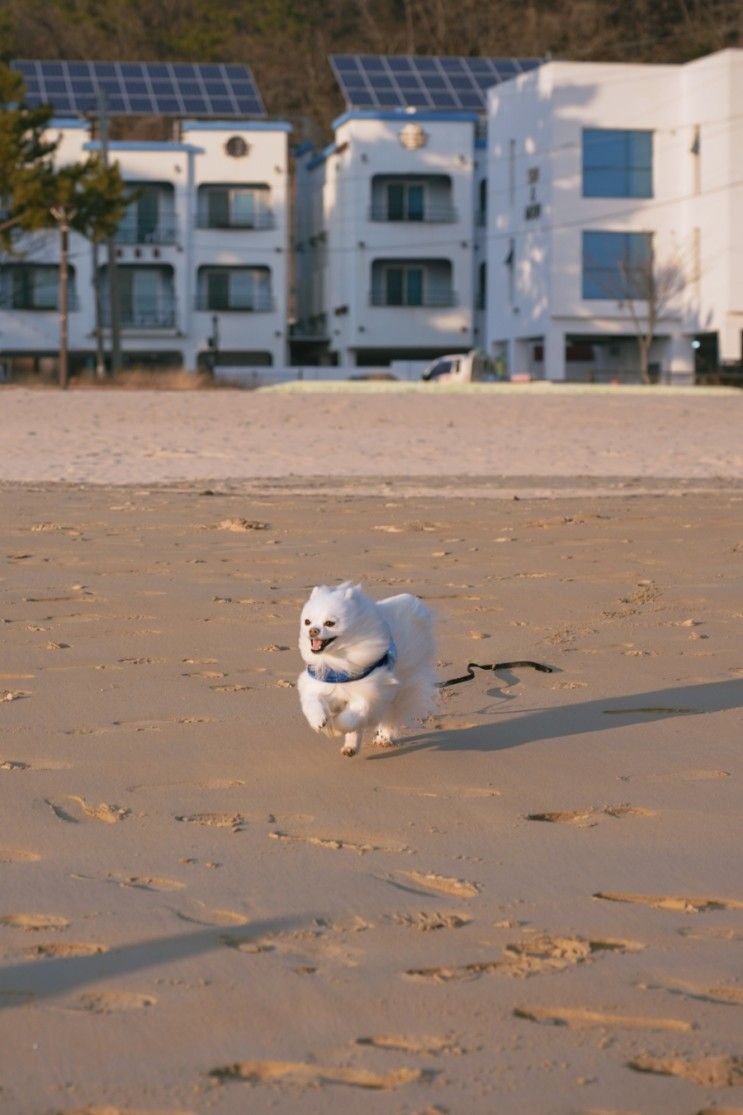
[{"x": 287, "y": 41}]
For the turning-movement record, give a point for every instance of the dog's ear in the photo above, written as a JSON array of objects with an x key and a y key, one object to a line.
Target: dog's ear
[{"x": 315, "y": 591}]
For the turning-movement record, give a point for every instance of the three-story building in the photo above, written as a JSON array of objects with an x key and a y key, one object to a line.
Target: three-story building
[{"x": 201, "y": 257}]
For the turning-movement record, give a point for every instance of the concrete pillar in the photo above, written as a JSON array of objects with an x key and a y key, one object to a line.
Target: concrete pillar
[
  {"x": 731, "y": 342},
  {"x": 554, "y": 353},
  {"x": 678, "y": 360}
]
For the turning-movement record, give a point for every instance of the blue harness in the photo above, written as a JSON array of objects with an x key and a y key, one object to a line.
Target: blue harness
[{"x": 338, "y": 677}]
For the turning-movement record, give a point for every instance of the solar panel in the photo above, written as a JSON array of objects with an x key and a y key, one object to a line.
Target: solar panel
[
  {"x": 212, "y": 89},
  {"x": 391, "y": 81}
]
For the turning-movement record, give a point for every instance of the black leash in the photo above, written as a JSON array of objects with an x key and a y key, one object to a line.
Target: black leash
[{"x": 472, "y": 666}]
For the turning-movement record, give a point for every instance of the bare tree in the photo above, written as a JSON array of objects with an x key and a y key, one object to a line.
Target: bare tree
[{"x": 650, "y": 291}]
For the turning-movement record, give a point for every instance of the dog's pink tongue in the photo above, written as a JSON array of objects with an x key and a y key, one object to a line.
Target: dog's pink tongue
[{"x": 316, "y": 644}]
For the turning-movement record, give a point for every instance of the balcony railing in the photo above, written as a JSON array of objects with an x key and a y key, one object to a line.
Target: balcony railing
[
  {"x": 431, "y": 299},
  {"x": 261, "y": 219},
  {"x": 165, "y": 232},
  {"x": 261, "y": 302},
  {"x": 434, "y": 212},
  {"x": 144, "y": 315}
]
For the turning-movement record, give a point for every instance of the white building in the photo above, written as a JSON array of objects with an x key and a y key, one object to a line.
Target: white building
[
  {"x": 603, "y": 177},
  {"x": 202, "y": 256},
  {"x": 385, "y": 239}
]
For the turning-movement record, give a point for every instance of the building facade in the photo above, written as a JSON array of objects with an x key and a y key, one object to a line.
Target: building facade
[
  {"x": 615, "y": 218},
  {"x": 385, "y": 239},
  {"x": 201, "y": 257}
]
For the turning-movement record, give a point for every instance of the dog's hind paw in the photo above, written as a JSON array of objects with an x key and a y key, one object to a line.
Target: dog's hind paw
[
  {"x": 349, "y": 751},
  {"x": 382, "y": 738}
]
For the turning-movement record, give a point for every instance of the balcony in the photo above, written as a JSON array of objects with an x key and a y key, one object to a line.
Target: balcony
[
  {"x": 163, "y": 232},
  {"x": 261, "y": 220},
  {"x": 428, "y": 299},
  {"x": 144, "y": 315},
  {"x": 259, "y": 302},
  {"x": 431, "y": 212}
]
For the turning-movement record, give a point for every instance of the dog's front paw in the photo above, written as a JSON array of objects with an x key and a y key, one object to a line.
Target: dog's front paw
[
  {"x": 349, "y": 750},
  {"x": 317, "y": 719}
]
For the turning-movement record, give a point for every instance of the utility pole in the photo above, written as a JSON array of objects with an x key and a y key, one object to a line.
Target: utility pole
[
  {"x": 113, "y": 273},
  {"x": 62, "y": 216}
]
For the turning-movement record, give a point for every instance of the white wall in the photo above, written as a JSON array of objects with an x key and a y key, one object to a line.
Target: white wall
[
  {"x": 340, "y": 185},
  {"x": 695, "y": 213}
]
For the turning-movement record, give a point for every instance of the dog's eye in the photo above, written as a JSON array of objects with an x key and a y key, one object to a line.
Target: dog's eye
[
  {"x": 330, "y": 623},
  {"x": 307, "y": 622}
]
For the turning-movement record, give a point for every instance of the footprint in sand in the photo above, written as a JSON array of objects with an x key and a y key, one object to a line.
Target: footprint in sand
[
  {"x": 34, "y": 923},
  {"x": 108, "y": 814},
  {"x": 710, "y": 1072},
  {"x": 311, "y": 1075},
  {"x": 427, "y": 921},
  {"x": 18, "y": 855},
  {"x": 443, "y": 884},
  {"x": 590, "y": 817},
  {"x": 404, "y": 1043},
  {"x": 671, "y": 902},
  {"x": 205, "y": 915},
  {"x": 578, "y": 1016},
  {"x": 44, "y": 765},
  {"x": 233, "y": 821},
  {"x": 115, "y": 1110},
  {"x": 535, "y": 956},
  {"x": 335, "y": 844},
  {"x": 65, "y": 950},
  {"x": 711, "y": 933},
  {"x": 138, "y": 882},
  {"x": 693, "y": 775},
  {"x": 112, "y": 1002},
  {"x": 727, "y": 994}
]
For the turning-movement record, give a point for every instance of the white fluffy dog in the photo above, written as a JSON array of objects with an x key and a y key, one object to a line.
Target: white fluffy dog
[{"x": 369, "y": 664}]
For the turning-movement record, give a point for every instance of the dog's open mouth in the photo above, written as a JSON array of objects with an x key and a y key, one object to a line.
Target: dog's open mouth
[{"x": 317, "y": 646}]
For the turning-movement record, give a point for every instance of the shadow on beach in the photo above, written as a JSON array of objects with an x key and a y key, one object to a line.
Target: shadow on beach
[
  {"x": 29, "y": 982},
  {"x": 513, "y": 730}
]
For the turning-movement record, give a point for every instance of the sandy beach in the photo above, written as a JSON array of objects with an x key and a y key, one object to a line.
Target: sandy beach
[{"x": 532, "y": 906}]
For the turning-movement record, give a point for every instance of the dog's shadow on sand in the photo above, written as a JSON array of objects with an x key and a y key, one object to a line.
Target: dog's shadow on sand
[
  {"x": 511, "y": 729},
  {"x": 31, "y": 981}
]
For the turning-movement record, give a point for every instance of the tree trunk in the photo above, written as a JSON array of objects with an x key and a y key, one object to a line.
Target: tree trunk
[
  {"x": 64, "y": 232},
  {"x": 100, "y": 359}
]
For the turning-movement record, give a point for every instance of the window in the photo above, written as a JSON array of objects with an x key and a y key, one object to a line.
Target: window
[
  {"x": 401, "y": 197},
  {"x": 617, "y": 265},
  {"x": 405, "y": 201},
  {"x": 235, "y": 288},
  {"x": 146, "y": 297},
  {"x": 412, "y": 282},
  {"x": 234, "y": 206},
  {"x": 617, "y": 163},
  {"x": 403, "y": 286},
  {"x": 150, "y": 219},
  {"x": 25, "y": 286},
  {"x": 482, "y": 286}
]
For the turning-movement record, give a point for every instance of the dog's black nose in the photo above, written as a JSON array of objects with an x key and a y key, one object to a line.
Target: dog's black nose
[{"x": 314, "y": 632}]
